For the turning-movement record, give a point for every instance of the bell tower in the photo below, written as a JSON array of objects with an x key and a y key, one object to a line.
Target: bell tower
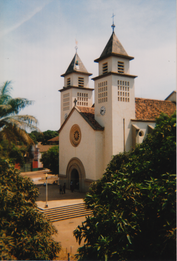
[
  {"x": 114, "y": 97},
  {"x": 76, "y": 89}
]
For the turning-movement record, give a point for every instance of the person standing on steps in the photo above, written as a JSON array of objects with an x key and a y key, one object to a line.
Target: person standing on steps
[
  {"x": 61, "y": 189},
  {"x": 64, "y": 187},
  {"x": 71, "y": 186}
]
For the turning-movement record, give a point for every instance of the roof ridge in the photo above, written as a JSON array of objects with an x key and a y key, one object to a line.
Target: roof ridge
[
  {"x": 151, "y": 99},
  {"x": 76, "y": 65},
  {"x": 91, "y": 111},
  {"x": 113, "y": 46}
]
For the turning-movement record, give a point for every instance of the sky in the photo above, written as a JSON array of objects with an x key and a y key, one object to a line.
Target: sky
[{"x": 38, "y": 39}]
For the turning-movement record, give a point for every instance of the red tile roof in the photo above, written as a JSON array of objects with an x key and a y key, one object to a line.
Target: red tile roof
[
  {"x": 88, "y": 114},
  {"x": 147, "y": 109},
  {"x": 54, "y": 139},
  {"x": 44, "y": 148}
]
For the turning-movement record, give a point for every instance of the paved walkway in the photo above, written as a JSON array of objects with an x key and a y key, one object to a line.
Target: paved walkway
[
  {"x": 55, "y": 199},
  {"x": 65, "y": 228}
]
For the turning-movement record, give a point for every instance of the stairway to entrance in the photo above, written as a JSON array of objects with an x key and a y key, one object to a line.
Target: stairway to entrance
[{"x": 66, "y": 212}]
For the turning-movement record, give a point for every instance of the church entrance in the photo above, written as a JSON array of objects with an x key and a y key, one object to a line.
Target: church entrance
[
  {"x": 75, "y": 175},
  {"x": 75, "y": 179}
]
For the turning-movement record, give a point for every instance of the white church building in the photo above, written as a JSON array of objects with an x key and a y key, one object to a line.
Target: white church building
[{"x": 91, "y": 134}]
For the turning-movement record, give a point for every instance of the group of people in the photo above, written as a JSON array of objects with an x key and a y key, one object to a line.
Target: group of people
[{"x": 62, "y": 188}]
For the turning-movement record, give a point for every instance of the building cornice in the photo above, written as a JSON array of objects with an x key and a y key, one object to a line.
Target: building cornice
[
  {"x": 143, "y": 120},
  {"x": 78, "y": 72},
  {"x": 115, "y": 55},
  {"x": 75, "y": 87},
  {"x": 114, "y": 73}
]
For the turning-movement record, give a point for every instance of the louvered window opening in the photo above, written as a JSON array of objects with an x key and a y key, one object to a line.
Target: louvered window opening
[
  {"x": 105, "y": 68},
  {"x": 66, "y": 101},
  {"x": 68, "y": 82},
  {"x": 120, "y": 67},
  {"x": 81, "y": 82}
]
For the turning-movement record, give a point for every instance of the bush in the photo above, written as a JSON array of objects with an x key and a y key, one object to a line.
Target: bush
[
  {"x": 25, "y": 233},
  {"x": 134, "y": 203},
  {"x": 50, "y": 159}
]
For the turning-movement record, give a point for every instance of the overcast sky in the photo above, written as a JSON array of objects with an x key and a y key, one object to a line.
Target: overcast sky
[{"x": 37, "y": 44}]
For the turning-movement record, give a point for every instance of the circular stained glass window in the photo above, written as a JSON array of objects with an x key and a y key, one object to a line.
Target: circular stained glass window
[{"x": 75, "y": 135}]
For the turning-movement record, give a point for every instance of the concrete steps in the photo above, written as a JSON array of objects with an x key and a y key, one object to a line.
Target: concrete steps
[{"x": 66, "y": 212}]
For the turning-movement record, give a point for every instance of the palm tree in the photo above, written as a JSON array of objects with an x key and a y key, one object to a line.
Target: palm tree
[{"x": 12, "y": 126}]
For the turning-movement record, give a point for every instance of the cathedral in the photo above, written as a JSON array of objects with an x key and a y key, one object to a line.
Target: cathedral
[{"x": 92, "y": 132}]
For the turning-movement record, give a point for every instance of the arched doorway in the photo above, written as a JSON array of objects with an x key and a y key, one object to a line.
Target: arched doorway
[
  {"x": 75, "y": 171},
  {"x": 75, "y": 178}
]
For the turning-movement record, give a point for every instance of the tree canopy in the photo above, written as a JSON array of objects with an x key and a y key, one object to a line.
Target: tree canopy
[
  {"x": 50, "y": 159},
  {"x": 43, "y": 137},
  {"x": 12, "y": 126},
  {"x": 24, "y": 231},
  {"x": 134, "y": 203}
]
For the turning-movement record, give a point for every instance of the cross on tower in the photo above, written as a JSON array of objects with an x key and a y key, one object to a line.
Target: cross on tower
[
  {"x": 113, "y": 25},
  {"x": 76, "y": 45},
  {"x": 75, "y": 101}
]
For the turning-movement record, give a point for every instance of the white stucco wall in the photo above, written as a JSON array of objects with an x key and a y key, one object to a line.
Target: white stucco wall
[
  {"x": 106, "y": 119},
  {"x": 88, "y": 151},
  {"x": 172, "y": 97},
  {"x": 122, "y": 112},
  {"x": 112, "y": 121},
  {"x": 143, "y": 127}
]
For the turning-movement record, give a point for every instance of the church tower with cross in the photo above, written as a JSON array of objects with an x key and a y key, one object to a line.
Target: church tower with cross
[
  {"x": 114, "y": 97},
  {"x": 90, "y": 134},
  {"x": 76, "y": 89}
]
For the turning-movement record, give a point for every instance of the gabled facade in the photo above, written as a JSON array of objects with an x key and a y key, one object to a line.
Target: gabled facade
[{"x": 91, "y": 134}]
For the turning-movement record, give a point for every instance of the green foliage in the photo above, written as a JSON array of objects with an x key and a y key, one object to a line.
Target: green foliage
[
  {"x": 13, "y": 152},
  {"x": 47, "y": 135},
  {"x": 25, "y": 233},
  {"x": 12, "y": 126},
  {"x": 50, "y": 159},
  {"x": 134, "y": 203},
  {"x": 43, "y": 137}
]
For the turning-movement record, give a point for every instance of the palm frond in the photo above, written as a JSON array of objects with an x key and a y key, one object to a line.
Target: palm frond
[
  {"x": 13, "y": 126},
  {"x": 17, "y": 104},
  {"x": 5, "y": 92},
  {"x": 4, "y": 109},
  {"x": 21, "y": 121},
  {"x": 13, "y": 133}
]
